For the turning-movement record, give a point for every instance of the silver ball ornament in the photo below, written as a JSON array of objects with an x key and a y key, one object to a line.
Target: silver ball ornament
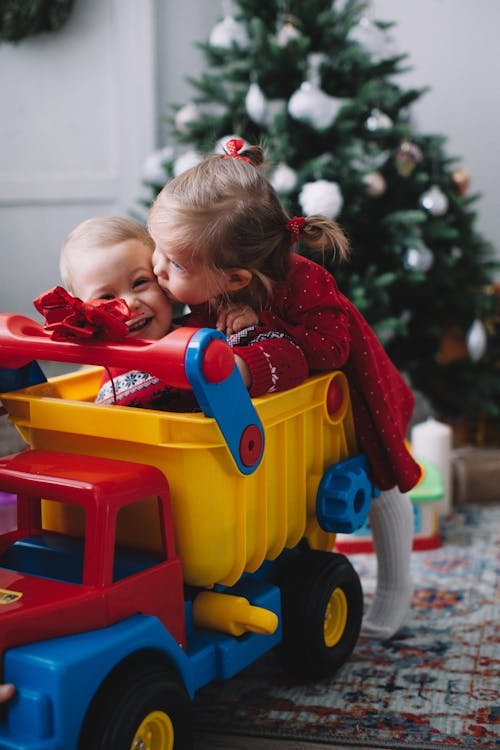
[
  {"x": 476, "y": 340},
  {"x": 418, "y": 258},
  {"x": 434, "y": 201},
  {"x": 378, "y": 120}
]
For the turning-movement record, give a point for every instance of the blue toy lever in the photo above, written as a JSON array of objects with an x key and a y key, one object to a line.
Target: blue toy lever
[{"x": 228, "y": 403}]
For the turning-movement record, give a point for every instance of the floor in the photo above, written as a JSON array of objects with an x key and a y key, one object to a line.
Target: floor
[
  {"x": 219, "y": 742},
  {"x": 11, "y": 442}
]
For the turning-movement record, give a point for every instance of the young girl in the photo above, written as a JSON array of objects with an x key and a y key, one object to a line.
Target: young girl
[{"x": 223, "y": 240}]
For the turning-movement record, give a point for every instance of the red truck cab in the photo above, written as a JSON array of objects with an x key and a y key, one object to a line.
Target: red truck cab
[{"x": 54, "y": 584}]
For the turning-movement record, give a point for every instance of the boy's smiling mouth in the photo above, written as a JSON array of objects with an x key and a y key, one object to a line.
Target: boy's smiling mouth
[{"x": 138, "y": 323}]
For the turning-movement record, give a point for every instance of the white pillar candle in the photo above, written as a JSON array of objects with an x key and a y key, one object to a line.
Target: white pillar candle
[{"x": 432, "y": 440}]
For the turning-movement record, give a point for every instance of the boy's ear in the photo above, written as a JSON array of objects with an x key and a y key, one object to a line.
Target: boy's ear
[{"x": 237, "y": 278}]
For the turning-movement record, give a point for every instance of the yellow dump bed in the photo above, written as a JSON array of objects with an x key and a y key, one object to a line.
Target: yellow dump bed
[{"x": 225, "y": 523}]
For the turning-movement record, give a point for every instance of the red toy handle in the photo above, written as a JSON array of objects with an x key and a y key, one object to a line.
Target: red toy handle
[{"x": 23, "y": 340}]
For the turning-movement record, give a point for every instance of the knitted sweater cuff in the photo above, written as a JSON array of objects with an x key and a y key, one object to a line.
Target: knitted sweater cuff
[{"x": 260, "y": 368}]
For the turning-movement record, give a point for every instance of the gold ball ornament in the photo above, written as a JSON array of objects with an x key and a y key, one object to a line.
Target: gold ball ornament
[
  {"x": 461, "y": 180},
  {"x": 407, "y": 157}
]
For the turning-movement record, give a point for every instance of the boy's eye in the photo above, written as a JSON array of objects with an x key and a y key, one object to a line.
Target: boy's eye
[
  {"x": 106, "y": 296},
  {"x": 139, "y": 282},
  {"x": 177, "y": 265}
]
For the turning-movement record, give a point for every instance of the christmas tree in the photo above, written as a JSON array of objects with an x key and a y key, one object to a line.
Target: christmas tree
[{"x": 316, "y": 82}]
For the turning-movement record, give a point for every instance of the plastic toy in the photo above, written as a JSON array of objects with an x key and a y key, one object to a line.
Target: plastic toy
[
  {"x": 155, "y": 552},
  {"x": 426, "y": 498}
]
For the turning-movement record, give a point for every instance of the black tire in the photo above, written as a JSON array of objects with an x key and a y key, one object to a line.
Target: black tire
[
  {"x": 139, "y": 691},
  {"x": 322, "y": 602}
]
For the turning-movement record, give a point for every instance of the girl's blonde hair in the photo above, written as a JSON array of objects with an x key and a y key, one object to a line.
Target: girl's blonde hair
[
  {"x": 99, "y": 232},
  {"x": 225, "y": 214}
]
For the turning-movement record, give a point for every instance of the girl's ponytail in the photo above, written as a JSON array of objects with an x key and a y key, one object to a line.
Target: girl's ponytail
[{"x": 319, "y": 233}]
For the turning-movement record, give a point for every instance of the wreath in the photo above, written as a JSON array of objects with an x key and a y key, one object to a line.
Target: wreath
[{"x": 22, "y": 18}]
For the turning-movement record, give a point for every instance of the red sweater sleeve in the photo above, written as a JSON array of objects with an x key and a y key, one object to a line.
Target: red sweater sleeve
[{"x": 275, "y": 364}]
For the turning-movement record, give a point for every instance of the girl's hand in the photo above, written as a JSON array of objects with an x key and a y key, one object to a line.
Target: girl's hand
[{"x": 234, "y": 318}]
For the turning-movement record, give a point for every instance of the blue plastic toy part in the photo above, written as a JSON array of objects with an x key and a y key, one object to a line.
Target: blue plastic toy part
[
  {"x": 344, "y": 496},
  {"x": 13, "y": 379},
  {"x": 228, "y": 403},
  {"x": 57, "y": 679}
]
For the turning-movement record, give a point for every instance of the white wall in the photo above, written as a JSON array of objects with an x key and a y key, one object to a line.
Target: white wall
[
  {"x": 453, "y": 48},
  {"x": 77, "y": 117},
  {"x": 78, "y": 112}
]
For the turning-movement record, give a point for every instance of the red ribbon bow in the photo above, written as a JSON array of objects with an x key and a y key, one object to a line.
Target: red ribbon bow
[
  {"x": 233, "y": 147},
  {"x": 68, "y": 318},
  {"x": 295, "y": 226}
]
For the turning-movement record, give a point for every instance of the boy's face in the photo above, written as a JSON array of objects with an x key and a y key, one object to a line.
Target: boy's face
[{"x": 124, "y": 271}]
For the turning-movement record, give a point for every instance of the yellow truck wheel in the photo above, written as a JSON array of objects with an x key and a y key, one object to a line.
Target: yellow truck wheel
[
  {"x": 322, "y": 603},
  {"x": 141, "y": 705}
]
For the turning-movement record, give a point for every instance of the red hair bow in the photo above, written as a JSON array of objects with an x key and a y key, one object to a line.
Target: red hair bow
[
  {"x": 295, "y": 226},
  {"x": 233, "y": 147},
  {"x": 68, "y": 318}
]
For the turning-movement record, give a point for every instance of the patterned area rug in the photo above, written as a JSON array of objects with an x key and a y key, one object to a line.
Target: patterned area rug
[{"x": 434, "y": 685}]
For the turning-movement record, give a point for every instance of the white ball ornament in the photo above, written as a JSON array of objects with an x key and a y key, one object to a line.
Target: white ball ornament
[
  {"x": 321, "y": 197},
  {"x": 228, "y": 33},
  {"x": 372, "y": 38},
  {"x": 284, "y": 179},
  {"x": 287, "y": 34},
  {"x": 185, "y": 115},
  {"x": 186, "y": 161},
  {"x": 310, "y": 104},
  {"x": 313, "y": 107},
  {"x": 476, "y": 340},
  {"x": 256, "y": 104},
  {"x": 153, "y": 169}
]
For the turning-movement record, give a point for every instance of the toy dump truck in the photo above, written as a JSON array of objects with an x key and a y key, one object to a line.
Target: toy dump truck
[{"x": 157, "y": 551}]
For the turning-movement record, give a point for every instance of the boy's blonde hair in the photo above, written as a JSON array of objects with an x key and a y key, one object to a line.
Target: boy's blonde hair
[
  {"x": 225, "y": 214},
  {"x": 99, "y": 232}
]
